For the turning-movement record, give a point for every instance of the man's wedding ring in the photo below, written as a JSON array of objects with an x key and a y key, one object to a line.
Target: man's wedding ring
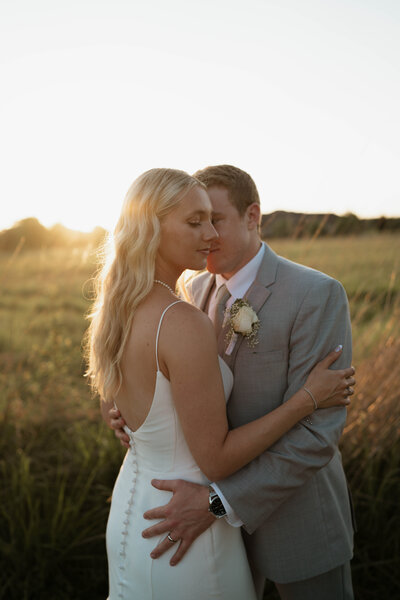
[{"x": 171, "y": 539}]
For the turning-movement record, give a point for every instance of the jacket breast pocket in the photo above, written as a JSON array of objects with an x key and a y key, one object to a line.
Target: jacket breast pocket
[{"x": 268, "y": 356}]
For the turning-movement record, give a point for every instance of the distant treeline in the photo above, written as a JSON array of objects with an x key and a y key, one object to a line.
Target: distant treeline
[
  {"x": 281, "y": 224},
  {"x": 31, "y": 234}
]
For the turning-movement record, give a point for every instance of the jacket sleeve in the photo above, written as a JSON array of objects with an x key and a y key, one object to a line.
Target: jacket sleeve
[{"x": 259, "y": 488}]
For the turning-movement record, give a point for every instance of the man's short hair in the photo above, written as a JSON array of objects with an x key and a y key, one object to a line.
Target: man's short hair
[{"x": 241, "y": 188}]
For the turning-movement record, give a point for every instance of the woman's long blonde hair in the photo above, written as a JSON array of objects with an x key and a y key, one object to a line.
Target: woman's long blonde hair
[{"x": 127, "y": 271}]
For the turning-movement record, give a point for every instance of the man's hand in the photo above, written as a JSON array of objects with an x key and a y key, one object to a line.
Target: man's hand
[
  {"x": 116, "y": 422},
  {"x": 185, "y": 516}
]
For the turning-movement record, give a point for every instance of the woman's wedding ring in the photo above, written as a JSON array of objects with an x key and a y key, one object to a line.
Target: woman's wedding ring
[{"x": 171, "y": 539}]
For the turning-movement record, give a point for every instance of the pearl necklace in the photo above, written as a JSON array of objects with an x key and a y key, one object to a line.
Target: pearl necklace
[{"x": 165, "y": 285}]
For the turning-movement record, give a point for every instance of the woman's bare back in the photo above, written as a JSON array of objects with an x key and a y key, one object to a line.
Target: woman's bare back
[{"x": 138, "y": 365}]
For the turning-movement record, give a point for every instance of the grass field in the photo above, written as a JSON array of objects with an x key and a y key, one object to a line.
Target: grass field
[{"x": 58, "y": 462}]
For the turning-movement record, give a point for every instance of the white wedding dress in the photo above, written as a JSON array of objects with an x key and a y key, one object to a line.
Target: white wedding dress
[{"x": 215, "y": 566}]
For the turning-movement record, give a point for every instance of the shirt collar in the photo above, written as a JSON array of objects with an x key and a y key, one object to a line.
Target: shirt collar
[{"x": 240, "y": 282}]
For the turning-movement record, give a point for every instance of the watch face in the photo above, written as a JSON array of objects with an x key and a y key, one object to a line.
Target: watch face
[{"x": 217, "y": 508}]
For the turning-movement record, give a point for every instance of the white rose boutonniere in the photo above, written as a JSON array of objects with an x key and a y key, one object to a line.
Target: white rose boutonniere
[{"x": 242, "y": 318}]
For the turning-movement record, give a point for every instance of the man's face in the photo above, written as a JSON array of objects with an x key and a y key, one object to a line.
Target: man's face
[{"x": 232, "y": 249}]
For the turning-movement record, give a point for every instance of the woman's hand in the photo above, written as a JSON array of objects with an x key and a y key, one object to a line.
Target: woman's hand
[{"x": 330, "y": 387}]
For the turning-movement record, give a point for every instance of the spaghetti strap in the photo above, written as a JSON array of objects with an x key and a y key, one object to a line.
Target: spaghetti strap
[{"x": 159, "y": 326}]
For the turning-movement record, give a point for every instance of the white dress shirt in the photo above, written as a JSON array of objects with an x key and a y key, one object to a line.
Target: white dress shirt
[{"x": 237, "y": 286}]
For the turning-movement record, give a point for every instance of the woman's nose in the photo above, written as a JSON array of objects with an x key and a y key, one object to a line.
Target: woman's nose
[{"x": 210, "y": 233}]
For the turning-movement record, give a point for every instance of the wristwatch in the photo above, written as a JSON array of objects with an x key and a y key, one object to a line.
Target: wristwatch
[{"x": 215, "y": 505}]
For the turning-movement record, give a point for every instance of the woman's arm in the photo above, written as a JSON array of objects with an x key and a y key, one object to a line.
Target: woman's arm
[{"x": 188, "y": 354}]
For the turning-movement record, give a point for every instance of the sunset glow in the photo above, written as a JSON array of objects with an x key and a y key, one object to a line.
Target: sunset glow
[{"x": 302, "y": 95}]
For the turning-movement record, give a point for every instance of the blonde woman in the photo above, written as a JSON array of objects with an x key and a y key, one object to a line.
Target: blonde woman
[{"x": 155, "y": 357}]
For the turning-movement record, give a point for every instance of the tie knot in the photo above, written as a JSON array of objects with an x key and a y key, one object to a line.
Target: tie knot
[
  {"x": 221, "y": 298},
  {"x": 222, "y": 294}
]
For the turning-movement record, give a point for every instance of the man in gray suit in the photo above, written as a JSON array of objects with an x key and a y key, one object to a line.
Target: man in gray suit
[{"x": 292, "y": 501}]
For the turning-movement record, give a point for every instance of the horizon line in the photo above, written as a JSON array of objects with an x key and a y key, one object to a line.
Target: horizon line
[{"x": 289, "y": 212}]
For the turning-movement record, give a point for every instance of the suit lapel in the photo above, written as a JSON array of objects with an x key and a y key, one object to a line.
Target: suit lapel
[
  {"x": 205, "y": 297},
  {"x": 201, "y": 288},
  {"x": 257, "y": 295}
]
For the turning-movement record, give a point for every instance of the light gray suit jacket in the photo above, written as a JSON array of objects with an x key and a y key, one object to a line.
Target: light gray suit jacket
[{"x": 293, "y": 499}]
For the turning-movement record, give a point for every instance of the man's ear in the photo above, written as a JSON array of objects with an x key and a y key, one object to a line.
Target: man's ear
[{"x": 253, "y": 214}]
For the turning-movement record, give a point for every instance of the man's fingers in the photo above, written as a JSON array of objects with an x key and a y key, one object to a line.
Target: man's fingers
[
  {"x": 117, "y": 423},
  {"x": 162, "y": 547},
  {"x": 155, "y": 513},
  {"x": 180, "y": 553},
  {"x": 170, "y": 485},
  {"x": 166, "y": 544},
  {"x": 121, "y": 435}
]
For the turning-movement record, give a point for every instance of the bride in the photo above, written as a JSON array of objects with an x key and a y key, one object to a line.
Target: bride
[{"x": 155, "y": 357}]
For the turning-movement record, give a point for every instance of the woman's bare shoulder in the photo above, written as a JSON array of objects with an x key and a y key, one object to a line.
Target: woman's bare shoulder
[
  {"x": 188, "y": 314},
  {"x": 185, "y": 321},
  {"x": 187, "y": 344}
]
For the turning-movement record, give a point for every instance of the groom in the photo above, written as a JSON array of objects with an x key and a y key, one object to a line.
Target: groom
[{"x": 292, "y": 502}]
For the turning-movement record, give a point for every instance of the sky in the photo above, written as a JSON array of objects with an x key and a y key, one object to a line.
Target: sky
[{"x": 304, "y": 95}]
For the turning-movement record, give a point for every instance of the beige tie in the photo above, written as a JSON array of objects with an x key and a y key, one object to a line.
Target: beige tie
[{"x": 217, "y": 317}]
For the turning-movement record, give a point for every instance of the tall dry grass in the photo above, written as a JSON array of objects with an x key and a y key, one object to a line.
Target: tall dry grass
[
  {"x": 58, "y": 462},
  {"x": 371, "y": 451}
]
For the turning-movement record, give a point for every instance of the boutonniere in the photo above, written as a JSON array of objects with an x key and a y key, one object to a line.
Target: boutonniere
[{"x": 242, "y": 319}]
